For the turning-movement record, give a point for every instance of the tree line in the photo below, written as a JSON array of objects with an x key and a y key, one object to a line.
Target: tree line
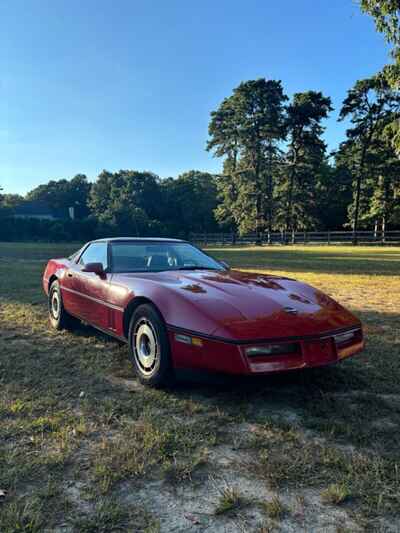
[
  {"x": 277, "y": 173},
  {"x": 126, "y": 202}
]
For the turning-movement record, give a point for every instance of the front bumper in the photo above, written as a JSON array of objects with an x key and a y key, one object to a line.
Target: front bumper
[{"x": 230, "y": 357}]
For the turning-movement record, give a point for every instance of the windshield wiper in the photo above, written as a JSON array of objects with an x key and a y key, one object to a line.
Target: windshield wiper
[{"x": 195, "y": 268}]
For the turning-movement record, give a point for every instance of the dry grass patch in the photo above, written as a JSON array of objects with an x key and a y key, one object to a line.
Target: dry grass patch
[
  {"x": 335, "y": 494},
  {"x": 112, "y": 515},
  {"x": 274, "y": 508},
  {"x": 230, "y": 499},
  {"x": 68, "y": 418},
  {"x": 150, "y": 446}
]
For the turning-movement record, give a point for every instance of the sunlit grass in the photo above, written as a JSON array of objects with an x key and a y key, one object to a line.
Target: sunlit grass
[
  {"x": 74, "y": 441},
  {"x": 383, "y": 260}
]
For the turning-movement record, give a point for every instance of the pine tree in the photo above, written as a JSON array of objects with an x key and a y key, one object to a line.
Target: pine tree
[
  {"x": 246, "y": 130},
  {"x": 304, "y": 158},
  {"x": 371, "y": 106}
]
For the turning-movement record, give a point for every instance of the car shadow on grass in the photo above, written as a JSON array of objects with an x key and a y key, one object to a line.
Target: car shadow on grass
[
  {"x": 357, "y": 400},
  {"x": 61, "y": 404},
  {"x": 375, "y": 373}
]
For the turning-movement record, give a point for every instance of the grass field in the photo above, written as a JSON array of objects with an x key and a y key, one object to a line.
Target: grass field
[{"x": 85, "y": 448}]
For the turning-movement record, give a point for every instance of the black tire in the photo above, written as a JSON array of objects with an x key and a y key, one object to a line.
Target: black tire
[
  {"x": 59, "y": 318},
  {"x": 149, "y": 349}
]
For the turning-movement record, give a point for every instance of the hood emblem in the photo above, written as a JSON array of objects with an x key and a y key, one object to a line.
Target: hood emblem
[{"x": 290, "y": 310}]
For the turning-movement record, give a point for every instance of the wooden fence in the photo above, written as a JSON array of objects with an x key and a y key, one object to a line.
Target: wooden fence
[{"x": 298, "y": 237}]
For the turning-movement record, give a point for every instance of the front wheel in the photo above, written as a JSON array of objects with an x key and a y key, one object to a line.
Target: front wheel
[
  {"x": 149, "y": 348},
  {"x": 58, "y": 316}
]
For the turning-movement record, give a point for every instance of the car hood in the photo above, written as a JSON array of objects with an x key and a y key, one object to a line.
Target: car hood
[{"x": 247, "y": 306}]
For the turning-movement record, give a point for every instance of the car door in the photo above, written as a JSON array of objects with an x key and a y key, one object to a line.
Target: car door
[
  {"x": 68, "y": 282},
  {"x": 92, "y": 290}
]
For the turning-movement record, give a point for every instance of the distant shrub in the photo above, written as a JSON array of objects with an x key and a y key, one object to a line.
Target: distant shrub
[{"x": 32, "y": 229}]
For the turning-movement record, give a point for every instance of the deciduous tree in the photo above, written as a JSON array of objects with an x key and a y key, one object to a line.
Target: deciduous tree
[
  {"x": 189, "y": 202},
  {"x": 62, "y": 194},
  {"x": 128, "y": 200}
]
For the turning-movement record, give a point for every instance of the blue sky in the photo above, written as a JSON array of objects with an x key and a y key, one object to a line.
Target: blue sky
[{"x": 87, "y": 85}]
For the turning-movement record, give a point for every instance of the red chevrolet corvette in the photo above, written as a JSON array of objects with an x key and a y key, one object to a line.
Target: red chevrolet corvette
[{"x": 177, "y": 308}]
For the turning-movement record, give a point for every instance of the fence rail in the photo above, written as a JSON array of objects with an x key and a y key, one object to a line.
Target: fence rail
[{"x": 298, "y": 237}]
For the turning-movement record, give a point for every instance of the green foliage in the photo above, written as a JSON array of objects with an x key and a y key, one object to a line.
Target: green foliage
[
  {"x": 246, "y": 129},
  {"x": 63, "y": 194},
  {"x": 126, "y": 199},
  {"x": 304, "y": 158},
  {"x": 8, "y": 201},
  {"x": 31, "y": 229},
  {"x": 263, "y": 187},
  {"x": 371, "y": 105},
  {"x": 384, "y": 185},
  {"x": 139, "y": 203},
  {"x": 386, "y": 14},
  {"x": 189, "y": 202},
  {"x": 332, "y": 195},
  {"x": 127, "y": 202},
  {"x": 387, "y": 17}
]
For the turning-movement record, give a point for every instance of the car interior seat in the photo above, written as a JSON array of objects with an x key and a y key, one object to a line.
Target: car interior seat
[{"x": 158, "y": 261}]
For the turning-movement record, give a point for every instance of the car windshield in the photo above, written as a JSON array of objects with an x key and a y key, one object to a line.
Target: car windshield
[{"x": 159, "y": 256}]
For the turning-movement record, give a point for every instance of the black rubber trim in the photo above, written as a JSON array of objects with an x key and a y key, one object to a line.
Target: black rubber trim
[
  {"x": 262, "y": 341},
  {"x": 107, "y": 332}
]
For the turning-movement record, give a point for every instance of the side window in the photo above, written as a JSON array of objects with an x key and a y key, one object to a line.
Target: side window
[{"x": 95, "y": 253}]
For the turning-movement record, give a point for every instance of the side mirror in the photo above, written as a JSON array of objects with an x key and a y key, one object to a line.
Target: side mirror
[
  {"x": 225, "y": 264},
  {"x": 96, "y": 268}
]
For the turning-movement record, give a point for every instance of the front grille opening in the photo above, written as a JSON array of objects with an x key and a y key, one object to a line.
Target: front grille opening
[{"x": 271, "y": 350}]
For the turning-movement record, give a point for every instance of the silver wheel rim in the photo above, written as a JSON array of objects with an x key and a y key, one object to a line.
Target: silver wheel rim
[
  {"x": 55, "y": 305},
  {"x": 145, "y": 346}
]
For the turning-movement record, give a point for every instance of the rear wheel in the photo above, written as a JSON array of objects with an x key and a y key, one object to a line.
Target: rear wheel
[
  {"x": 58, "y": 316},
  {"x": 149, "y": 348}
]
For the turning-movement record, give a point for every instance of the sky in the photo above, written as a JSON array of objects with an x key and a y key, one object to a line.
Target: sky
[{"x": 92, "y": 85}]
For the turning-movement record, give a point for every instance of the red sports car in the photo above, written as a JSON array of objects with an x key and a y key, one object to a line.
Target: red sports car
[{"x": 178, "y": 308}]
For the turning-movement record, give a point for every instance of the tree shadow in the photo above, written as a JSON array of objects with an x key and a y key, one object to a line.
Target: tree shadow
[
  {"x": 384, "y": 263},
  {"x": 335, "y": 396}
]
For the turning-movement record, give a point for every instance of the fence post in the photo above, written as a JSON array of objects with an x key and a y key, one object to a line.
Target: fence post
[
  {"x": 205, "y": 239},
  {"x": 383, "y": 230},
  {"x": 293, "y": 237},
  {"x": 329, "y": 237}
]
